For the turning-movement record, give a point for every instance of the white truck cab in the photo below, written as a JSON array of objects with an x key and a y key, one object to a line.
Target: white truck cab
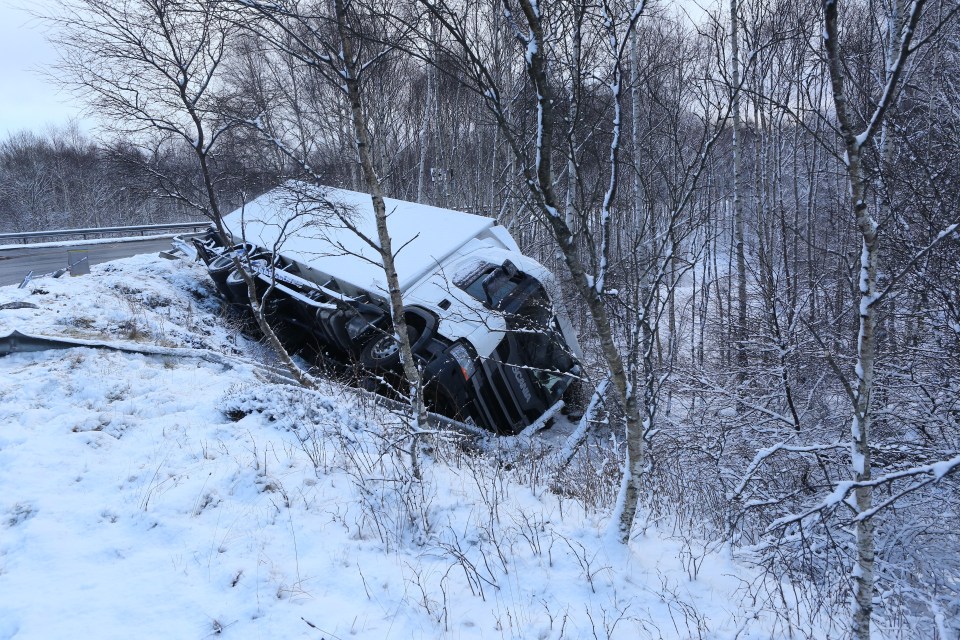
[{"x": 493, "y": 346}]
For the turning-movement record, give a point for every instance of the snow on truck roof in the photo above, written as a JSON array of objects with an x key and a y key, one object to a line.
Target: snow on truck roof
[{"x": 311, "y": 226}]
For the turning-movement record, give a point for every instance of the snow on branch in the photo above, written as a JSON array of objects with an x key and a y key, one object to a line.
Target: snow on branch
[
  {"x": 934, "y": 473},
  {"x": 764, "y": 454},
  {"x": 895, "y": 72},
  {"x": 948, "y": 231}
]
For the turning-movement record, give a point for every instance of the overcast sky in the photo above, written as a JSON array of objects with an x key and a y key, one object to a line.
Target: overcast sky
[{"x": 28, "y": 100}]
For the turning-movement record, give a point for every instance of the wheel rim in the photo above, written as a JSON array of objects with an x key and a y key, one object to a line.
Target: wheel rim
[
  {"x": 384, "y": 348},
  {"x": 235, "y": 277},
  {"x": 222, "y": 262}
]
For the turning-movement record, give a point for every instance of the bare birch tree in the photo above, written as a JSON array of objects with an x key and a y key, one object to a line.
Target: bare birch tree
[
  {"x": 150, "y": 69},
  {"x": 329, "y": 43},
  {"x": 861, "y": 392},
  {"x": 590, "y": 232}
]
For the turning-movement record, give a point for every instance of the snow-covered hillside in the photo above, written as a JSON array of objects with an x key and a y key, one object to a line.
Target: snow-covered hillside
[{"x": 190, "y": 496}]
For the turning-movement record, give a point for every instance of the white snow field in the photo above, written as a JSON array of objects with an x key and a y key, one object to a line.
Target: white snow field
[{"x": 191, "y": 496}]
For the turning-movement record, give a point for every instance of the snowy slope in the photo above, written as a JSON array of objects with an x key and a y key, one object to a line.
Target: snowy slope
[{"x": 179, "y": 497}]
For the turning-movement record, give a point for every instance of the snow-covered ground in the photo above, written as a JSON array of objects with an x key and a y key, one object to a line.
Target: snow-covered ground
[{"x": 183, "y": 496}]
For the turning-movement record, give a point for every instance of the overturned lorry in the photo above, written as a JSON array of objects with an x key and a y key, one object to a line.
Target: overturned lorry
[{"x": 493, "y": 347}]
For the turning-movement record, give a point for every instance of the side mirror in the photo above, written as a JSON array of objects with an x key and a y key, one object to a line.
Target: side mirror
[{"x": 506, "y": 271}]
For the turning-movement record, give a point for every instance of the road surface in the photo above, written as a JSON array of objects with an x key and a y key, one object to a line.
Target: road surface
[{"x": 15, "y": 263}]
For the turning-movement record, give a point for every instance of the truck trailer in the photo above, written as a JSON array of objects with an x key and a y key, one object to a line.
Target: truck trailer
[{"x": 494, "y": 347}]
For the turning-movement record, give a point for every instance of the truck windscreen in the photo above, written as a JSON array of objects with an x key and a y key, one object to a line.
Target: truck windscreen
[
  {"x": 540, "y": 349},
  {"x": 541, "y": 343},
  {"x": 491, "y": 285}
]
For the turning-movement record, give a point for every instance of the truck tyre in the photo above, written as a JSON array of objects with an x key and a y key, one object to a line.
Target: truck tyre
[
  {"x": 221, "y": 266},
  {"x": 382, "y": 352},
  {"x": 574, "y": 401},
  {"x": 237, "y": 287},
  {"x": 440, "y": 401}
]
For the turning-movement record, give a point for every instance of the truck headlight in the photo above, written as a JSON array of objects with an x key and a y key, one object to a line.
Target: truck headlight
[{"x": 467, "y": 364}]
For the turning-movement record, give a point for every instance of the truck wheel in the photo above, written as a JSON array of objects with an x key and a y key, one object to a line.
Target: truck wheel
[
  {"x": 383, "y": 351},
  {"x": 237, "y": 286},
  {"x": 574, "y": 401},
  {"x": 440, "y": 401},
  {"x": 221, "y": 266}
]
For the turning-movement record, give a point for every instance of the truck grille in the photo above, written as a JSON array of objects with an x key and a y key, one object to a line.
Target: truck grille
[
  {"x": 504, "y": 391},
  {"x": 496, "y": 400}
]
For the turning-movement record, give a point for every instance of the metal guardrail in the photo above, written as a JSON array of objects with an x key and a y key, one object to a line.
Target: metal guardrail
[{"x": 142, "y": 229}]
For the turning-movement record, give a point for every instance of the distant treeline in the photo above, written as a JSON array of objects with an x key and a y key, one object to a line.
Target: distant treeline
[{"x": 63, "y": 178}]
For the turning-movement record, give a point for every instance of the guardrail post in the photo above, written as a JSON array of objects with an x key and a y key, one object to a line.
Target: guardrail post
[{"x": 78, "y": 261}]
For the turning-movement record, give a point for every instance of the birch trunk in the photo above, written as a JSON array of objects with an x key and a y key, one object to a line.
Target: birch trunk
[
  {"x": 863, "y": 570},
  {"x": 374, "y": 188},
  {"x": 588, "y": 288},
  {"x": 740, "y": 338},
  {"x": 862, "y": 605}
]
